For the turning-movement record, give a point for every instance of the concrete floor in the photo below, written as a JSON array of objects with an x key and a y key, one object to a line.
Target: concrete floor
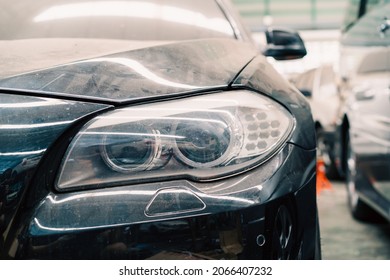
[{"x": 342, "y": 237}]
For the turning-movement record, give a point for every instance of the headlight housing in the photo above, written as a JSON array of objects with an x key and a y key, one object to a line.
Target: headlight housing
[{"x": 200, "y": 138}]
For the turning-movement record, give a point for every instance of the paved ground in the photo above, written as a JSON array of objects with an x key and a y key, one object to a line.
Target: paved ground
[{"x": 343, "y": 238}]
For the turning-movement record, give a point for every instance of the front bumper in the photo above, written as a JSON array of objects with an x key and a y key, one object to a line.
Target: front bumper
[{"x": 243, "y": 217}]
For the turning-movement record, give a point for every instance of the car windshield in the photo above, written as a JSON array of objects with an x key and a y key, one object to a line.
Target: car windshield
[
  {"x": 123, "y": 19},
  {"x": 41, "y": 33}
]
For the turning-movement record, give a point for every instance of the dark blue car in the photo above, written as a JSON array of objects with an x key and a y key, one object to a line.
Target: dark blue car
[{"x": 150, "y": 130}]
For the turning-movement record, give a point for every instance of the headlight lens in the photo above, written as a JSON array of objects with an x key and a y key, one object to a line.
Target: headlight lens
[
  {"x": 200, "y": 138},
  {"x": 129, "y": 151}
]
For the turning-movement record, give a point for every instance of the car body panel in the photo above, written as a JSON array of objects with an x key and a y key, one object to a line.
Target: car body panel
[
  {"x": 105, "y": 218},
  {"x": 323, "y": 96},
  {"x": 320, "y": 87},
  {"x": 135, "y": 204},
  {"x": 29, "y": 127},
  {"x": 63, "y": 215},
  {"x": 367, "y": 113},
  {"x": 108, "y": 79},
  {"x": 267, "y": 210},
  {"x": 364, "y": 116},
  {"x": 150, "y": 72}
]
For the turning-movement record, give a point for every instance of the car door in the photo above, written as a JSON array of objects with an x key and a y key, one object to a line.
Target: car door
[{"x": 365, "y": 71}]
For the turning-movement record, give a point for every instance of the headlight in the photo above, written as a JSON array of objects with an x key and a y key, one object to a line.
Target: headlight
[{"x": 199, "y": 138}]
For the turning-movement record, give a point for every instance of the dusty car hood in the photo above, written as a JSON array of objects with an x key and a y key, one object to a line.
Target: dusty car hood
[
  {"x": 27, "y": 55},
  {"x": 142, "y": 72}
]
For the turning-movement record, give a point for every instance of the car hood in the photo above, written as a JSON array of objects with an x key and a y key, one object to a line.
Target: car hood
[{"x": 147, "y": 70}]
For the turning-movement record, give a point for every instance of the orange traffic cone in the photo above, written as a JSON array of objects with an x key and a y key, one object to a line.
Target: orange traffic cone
[{"x": 322, "y": 181}]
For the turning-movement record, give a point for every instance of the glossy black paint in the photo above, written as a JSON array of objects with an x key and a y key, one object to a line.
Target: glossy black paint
[
  {"x": 50, "y": 227},
  {"x": 111, "y": 223},
  {"x": 29, "y": 127},
  {"x": 284, "y": 44},
  {"x": 150, "y": 72},
  {"x": 223, "y": 235},
  {"x": 240, "y": 217}
]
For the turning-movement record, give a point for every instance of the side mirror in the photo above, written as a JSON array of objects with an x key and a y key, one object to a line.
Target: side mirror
[{"x": 283, "y": 44}]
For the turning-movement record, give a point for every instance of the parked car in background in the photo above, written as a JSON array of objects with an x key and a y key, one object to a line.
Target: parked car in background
[
  {"x": 363, "y": 134},
  {"x": 319, "y": 85},
  {"x": 150, "y": 130}
]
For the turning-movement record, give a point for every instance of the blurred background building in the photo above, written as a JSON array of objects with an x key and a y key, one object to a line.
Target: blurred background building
[{"x": 297, "y": 14}]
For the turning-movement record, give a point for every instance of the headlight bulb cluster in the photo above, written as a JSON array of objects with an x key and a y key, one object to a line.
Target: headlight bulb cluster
[{"x": 199, "y": 138}]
